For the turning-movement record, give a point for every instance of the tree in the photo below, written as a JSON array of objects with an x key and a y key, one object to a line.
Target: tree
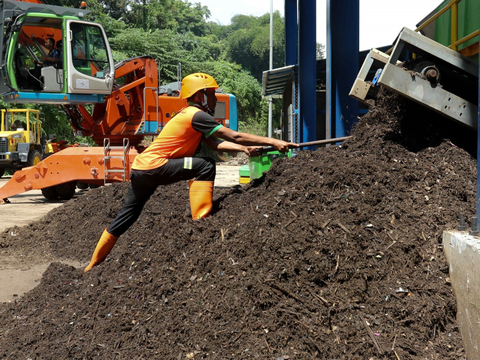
[
  {"x": 150, "y": 15},
  {"x": 249, "y": 43},
  {"x": 320, "y": 51},
  {"x": 193, "y": 18},
  {"x": 167, "y": 47}
]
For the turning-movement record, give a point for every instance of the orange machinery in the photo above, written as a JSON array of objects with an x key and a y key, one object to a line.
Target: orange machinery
[{"x": 117, "y": 113}]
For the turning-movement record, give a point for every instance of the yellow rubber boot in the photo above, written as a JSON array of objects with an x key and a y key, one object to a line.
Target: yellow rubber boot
[
  {"x": 201, "y": 194},
  {"x": 104, "y": 246}
]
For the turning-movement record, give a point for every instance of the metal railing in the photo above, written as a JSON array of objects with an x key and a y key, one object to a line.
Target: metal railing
[{"x": 455, "y": 42}]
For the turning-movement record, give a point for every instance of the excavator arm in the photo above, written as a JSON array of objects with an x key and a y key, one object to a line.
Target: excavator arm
[
  {"x": 116, "y": 111},
  {"x": 133, "y": 102}
]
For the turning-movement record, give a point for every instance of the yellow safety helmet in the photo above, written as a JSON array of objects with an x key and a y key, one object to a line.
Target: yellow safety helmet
[{"x": 197, "y": 81}]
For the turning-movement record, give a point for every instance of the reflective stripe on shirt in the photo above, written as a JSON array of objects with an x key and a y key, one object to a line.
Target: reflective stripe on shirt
[{"x": 188, "y": 163}]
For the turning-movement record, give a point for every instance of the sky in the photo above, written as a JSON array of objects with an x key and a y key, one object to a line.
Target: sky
[{"x": 380, "y": 20}]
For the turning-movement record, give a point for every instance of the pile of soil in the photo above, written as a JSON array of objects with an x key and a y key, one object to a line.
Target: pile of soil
[{"x": 334, "y": 254}]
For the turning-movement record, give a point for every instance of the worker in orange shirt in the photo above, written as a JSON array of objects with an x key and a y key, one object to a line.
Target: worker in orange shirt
[{"x": 170, "y": 158}]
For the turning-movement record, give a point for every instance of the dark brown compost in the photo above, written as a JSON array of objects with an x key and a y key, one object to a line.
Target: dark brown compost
[{"x": 334, "y": 254}]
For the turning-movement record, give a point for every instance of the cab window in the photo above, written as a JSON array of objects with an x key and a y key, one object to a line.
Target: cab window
[
  {"x": 89, "y": 51},
  {"x": 30, "y": 47}
]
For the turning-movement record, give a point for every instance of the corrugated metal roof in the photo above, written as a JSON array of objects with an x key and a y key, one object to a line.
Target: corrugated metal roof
[{"x": 275, "y": 80}]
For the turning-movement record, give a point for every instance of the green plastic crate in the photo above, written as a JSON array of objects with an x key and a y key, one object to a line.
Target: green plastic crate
[
  {"x": 244, "y": 171},
  {"x": 259, "y": 164}
]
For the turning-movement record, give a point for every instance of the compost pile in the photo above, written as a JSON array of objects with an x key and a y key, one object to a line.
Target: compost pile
[{"x": 334, "y": 254}]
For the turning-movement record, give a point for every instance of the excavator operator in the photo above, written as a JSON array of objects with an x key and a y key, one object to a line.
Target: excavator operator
[{"x": 170, "y": 158}]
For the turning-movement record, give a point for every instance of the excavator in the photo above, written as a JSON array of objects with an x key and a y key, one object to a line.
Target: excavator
[{"x": 116, "y": 104}]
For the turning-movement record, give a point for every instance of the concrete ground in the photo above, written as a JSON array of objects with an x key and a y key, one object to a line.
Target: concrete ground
[
  {"x": 18, "y": 276},
  {"x": 25, "y": 208}
]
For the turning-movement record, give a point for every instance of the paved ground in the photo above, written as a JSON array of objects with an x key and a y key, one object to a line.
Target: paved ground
[
  {"x": 18, "y": 276},
  {"x": 25, "y": 208}
]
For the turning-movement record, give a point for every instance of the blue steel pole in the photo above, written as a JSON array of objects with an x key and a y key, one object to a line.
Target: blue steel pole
[
  {"x": 478, "y": 154},
  {"x": 342, "y": 65},
  {"x": 330, "y": 98},
  {"x": 307, "y": 70},
  {"x": 291, "y": 31}
]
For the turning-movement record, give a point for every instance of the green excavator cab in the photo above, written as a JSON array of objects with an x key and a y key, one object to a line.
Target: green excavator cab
[{"x": 82, "y": 70}]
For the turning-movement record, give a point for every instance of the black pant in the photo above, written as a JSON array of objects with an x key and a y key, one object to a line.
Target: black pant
[{"x": 144, "y": 183}]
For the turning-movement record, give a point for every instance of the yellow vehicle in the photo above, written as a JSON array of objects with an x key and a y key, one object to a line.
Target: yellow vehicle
[{"x": 21, "y": 140}]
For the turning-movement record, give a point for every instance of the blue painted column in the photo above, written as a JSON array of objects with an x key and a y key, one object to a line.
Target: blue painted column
[
  {"x": 291, "y": 32},
  {"x": 342, "y": 65},
  {"x": 307, "y": 69},
  {"x": 478, "y": 153}
]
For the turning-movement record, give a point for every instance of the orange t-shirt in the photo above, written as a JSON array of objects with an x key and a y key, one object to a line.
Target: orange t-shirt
[{"x": 180, "y": 138}]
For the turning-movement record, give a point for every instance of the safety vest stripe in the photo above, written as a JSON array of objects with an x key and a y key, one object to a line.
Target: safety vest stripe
[{"x": 188, "y": 163}]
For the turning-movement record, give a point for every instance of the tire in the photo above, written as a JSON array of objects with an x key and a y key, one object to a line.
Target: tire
[
  {"x": 2, "y": 171},
  {"x": 34, "y": 157},
  {"x": 66, "y": 190},
  {"x": 45, "y": 155},
  {"x": 82, "y": 185},
  {"x": 50, "y": 193}
]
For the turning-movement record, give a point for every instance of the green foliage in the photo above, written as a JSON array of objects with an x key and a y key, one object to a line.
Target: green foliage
[
  {"x": 320, "y": 51},
  {"x": 192, "y": 18},
  {"x": 150, "y": 15},
  {"x": 111, "y": 26},
  {"x": 167, "y": 47},
  {"x": 249, "y": 42},
  {"x": 54, "y": 121}
]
